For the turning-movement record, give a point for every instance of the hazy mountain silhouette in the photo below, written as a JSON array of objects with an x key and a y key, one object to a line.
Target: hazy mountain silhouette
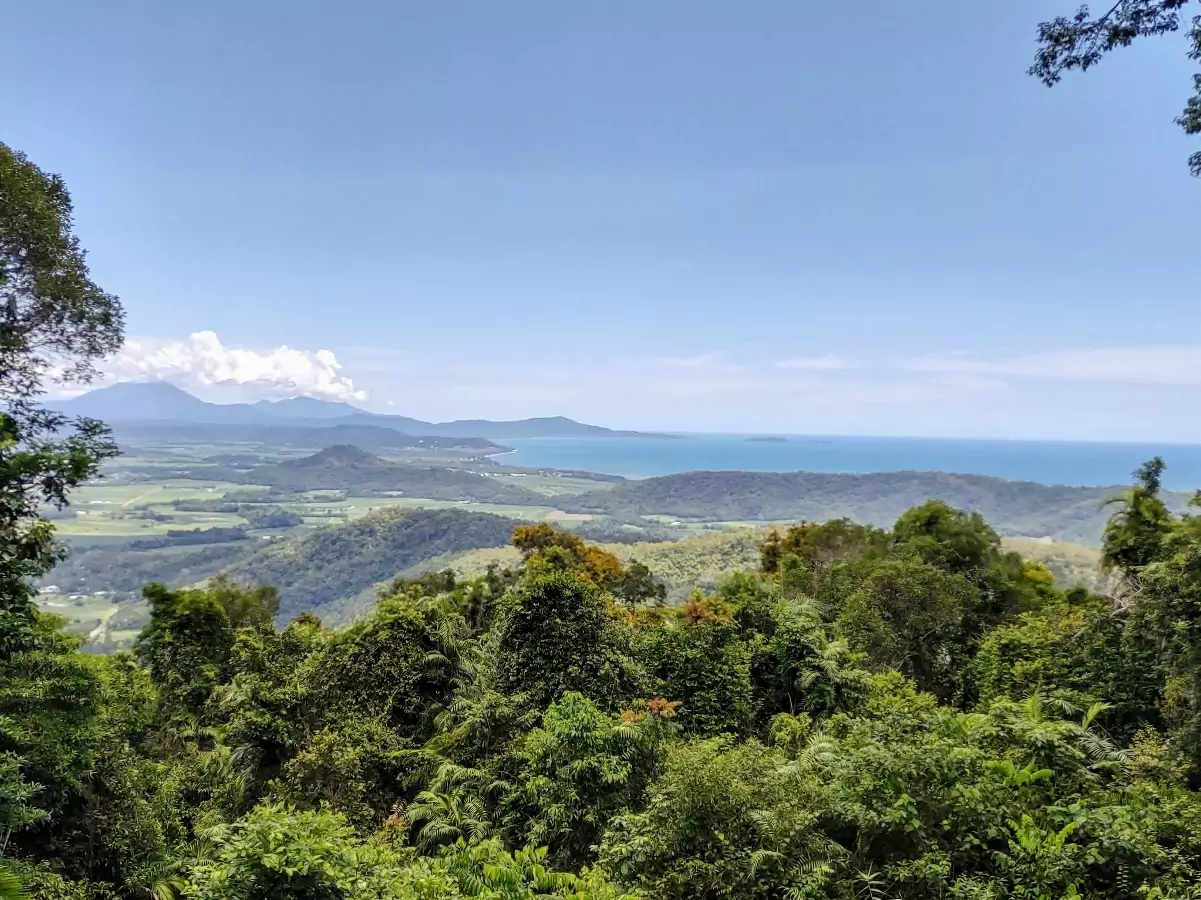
[{"x": 161, "y": 402}]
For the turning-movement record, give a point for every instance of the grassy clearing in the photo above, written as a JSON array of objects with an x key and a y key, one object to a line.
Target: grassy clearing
[
  {"x": 86, "y": 617},
  {"x": 142, "y": 510},
  {"x": 357, "y": 507},
  {"x": 88, "y": 524},
  {"x": 102, "y": 624},
  {"x": 553, "y": 485},
  {"x": 113, "y": 498}
]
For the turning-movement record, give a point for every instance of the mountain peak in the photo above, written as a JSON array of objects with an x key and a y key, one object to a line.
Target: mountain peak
[
  {"x": 136, "y": 400},
  {"x": 146, "y": 388},
  {"x": 307, "y": 408},
  {"x": 338, "y": 456}
]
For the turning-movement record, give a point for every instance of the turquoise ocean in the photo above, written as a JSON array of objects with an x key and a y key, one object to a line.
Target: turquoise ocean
[{"x": 1048, "y": 462}]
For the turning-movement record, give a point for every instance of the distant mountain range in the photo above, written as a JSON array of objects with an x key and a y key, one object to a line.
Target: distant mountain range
[
  {"x": 164, "y": 404},
  {"x": 312, "y": 434}
]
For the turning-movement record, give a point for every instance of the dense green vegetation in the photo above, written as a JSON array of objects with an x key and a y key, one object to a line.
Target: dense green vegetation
[
  {"x": 157, "y": 516},
  {"x": 322, "y": 570},
  {"x": 905, "y": 713},
  {"x": 333, "y": 564},
  {"x": 1073, "y": 514},
  {"x": 125, "y": 571},
  {"x": 704, "y": 560},
  {"x": 336, "y": 571}
]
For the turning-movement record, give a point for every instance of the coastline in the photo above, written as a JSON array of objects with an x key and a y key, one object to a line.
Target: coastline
[{"x": 1079, "y": 464}]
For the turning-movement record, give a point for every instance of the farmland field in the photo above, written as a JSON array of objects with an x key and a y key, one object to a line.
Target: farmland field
[{"x": 182, "y": 513}]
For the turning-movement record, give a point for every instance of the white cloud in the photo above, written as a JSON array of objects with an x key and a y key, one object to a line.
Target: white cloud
[
  {"x": 1179, "y": 365},
  {"x": 713, "y": 362},
  {"x": 827, "y": 363},
  {"x": 202, "y": 362},
  {"x": 951, "y": 394},
  {"x": 708, "y": 391}
]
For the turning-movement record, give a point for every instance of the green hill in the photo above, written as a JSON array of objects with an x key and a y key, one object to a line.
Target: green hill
[
  {"x": 682, "y": 565},
  {"x": 323, "y": 567},
  {"x": 702, "y": 561},
  {"x": 1021, "y": 508},
  {"x": 311, "y": 568},
  {"x": 345, "y": 467},
  {"x": 1071, "y": 564}
]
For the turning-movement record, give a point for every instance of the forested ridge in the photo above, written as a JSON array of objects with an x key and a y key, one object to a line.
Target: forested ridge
[
  {"x": 1014, "y": 507},
  {"x": 346, "y": 466},
  {"x": 335, "y": 563}
]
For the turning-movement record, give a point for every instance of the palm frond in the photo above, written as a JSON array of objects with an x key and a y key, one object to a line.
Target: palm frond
[{"x": 10, "y": 886}]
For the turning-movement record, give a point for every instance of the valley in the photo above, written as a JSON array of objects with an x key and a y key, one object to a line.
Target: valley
[{"x": 328, "y": 521}]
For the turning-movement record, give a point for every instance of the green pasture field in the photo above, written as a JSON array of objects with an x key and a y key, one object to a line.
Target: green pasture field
[
  {"x": 553, "y": 485},
  {"x": 80, "y": 540},
  {"x": 86, "y": 616},
  {"x": 134, "y": 501},
  {"x": 106, "y": 526},
  {"x": 356, "y": 507},
  {"x": 131, "y": 496},
  {"x": 107, "y": 510},
  {"x": 138, "y": 453}
]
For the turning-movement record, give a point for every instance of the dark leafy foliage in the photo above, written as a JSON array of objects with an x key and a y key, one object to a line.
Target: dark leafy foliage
[
  {"x": 540, "y": 733},
  {"x": 52, "y": 316},
  {"x": 551, "y": 639},
  {"x": 1082, "y": 40}
]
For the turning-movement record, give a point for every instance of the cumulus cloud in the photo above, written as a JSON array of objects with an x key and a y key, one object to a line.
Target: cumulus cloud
[
  {"x": 202, "y": 362},
  {"x": 1179, "y": 365}
]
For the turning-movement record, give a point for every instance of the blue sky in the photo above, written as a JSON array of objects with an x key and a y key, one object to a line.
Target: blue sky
[{"x": 858, "y": 218}]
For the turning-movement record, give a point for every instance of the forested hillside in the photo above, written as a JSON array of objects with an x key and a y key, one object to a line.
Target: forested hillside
[
  {"x": 317, "y": 567},
  {"x": 682, "y": 566},
  {"x": 332, "y": 564},
  {"x": 1013, "y": 507},
  {"x": 705, "y": 560},
  {"x": 915, "y": 710}
]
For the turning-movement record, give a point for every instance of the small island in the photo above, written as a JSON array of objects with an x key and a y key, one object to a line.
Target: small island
[{"x": 769, "y": 439}]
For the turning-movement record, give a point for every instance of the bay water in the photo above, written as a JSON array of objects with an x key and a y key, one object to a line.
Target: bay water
[{"x": 1048, "y": 462}]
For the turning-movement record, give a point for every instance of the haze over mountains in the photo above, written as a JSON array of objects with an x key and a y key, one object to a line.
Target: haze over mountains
[{"x": 162, "y": 404}]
